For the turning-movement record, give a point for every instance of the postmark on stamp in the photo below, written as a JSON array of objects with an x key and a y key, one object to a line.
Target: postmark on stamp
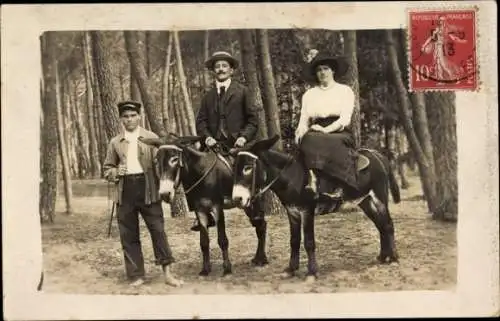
[{"x": 442, "y": 50}]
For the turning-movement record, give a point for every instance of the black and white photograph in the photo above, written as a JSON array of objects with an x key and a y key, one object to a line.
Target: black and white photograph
[{"x": 252, "y": 160}]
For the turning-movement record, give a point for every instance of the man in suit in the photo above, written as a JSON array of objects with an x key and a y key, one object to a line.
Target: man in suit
[
  {"x": 227, "y": 114},
  {"x": 129, "y": 164}
]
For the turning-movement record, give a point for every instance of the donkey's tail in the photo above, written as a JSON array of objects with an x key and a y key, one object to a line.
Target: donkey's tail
[{"x": 393, "y": 185}]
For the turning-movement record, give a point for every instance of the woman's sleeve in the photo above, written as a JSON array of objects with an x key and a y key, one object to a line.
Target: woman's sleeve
[
  {"x": 347, "y": 107},
  {"x": 302, "y": 127}
]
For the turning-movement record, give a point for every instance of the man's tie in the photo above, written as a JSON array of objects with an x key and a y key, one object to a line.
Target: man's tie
[
  {"x": 222, "y": 92},
  {"x": 222, "y": 114}
]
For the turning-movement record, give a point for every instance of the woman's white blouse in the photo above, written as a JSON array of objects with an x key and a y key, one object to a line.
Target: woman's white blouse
[{"x": 336, "y": 100}]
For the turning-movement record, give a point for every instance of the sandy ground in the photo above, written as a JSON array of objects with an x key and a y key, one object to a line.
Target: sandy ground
[{"x": 80, "y": 259}]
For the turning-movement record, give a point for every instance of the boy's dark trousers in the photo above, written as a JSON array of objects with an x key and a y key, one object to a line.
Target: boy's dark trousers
[{"x": 128, "y": 223}]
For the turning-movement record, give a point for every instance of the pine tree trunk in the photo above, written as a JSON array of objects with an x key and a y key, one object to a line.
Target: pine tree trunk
[
  {"x": 206, "y": 55},
  {"x": 101, "y": 134},
  {"x": 165, "y": 82},
  {"x": 422, "y": 131},
  {"x": 135, "y": 93},
  {"x": 147, "y": 54},
  {"x": 443, "y": 130},
  {"x": 137, "y": 65},
  {"x": 149, "y": 72},
  {"x": 49, "y": 148},
  {"x": 176, "y": 107},
  {"x": 63, "y": 150},
  {"x": 351, "y": 78},
  {"x": 82, "y": 146},
  {"x": 92, "y": 135},
  {"x": 171, "y": 108},
  {"x": 102, "y": 63},
  {"x": 188, "y": 107},
  {"x": 423, "y": 165},
  {"x": 399, "y": 162},
  {"x": 67, "y": 124},
  {"x": 272, "y": 113},
  {"x": 269, "y": 89},
  {"x": 123, "y": 85},
  {"x": 63, "y": 120},
  {"x": 272, "y": 205},
  {"x": 179, "y": 207},
  {"x": 248, "y": 54}
]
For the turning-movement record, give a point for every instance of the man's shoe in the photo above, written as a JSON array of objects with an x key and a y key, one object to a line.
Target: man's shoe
[{"x": 137, "y": 282}]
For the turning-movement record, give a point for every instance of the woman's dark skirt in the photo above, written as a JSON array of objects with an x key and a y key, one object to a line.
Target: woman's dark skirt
[{"x": 333, "y": 154}]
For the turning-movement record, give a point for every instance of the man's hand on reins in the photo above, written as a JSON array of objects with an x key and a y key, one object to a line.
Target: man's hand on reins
[
  {"x": 240, "y": 142},
  {"x": 210, "y": 141}
]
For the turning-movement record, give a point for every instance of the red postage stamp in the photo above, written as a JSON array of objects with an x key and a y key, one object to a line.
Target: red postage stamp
[{"x": 442, "y": 50}]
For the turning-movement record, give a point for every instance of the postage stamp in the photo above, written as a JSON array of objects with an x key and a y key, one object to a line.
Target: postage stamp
[{"x": 442, "y": 50}]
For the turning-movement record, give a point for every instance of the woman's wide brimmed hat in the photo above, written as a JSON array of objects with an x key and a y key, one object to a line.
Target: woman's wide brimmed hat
[
  {"x": 221, "y": 55},
  {"x": 338, "y": 64}
]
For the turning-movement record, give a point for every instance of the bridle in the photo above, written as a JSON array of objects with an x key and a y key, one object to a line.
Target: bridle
[
  {"x": 253, "y": 187},
  {"x": 181, "y": 165}
]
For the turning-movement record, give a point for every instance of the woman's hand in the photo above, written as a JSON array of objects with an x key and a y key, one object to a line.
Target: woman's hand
[
  {"x": 319, "y": 128},
  {"x": 336, "y": 127}
]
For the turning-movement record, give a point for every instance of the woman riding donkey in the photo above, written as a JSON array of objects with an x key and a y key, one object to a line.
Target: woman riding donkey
[{"x": 324, "y": 134}]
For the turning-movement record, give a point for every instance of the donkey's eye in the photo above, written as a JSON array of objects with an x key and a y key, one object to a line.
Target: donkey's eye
[
  {"x": 173, "y": 161},
  {"x": 247, "y": 170}
]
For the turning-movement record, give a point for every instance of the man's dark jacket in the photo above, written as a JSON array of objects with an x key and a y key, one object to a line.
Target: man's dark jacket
[{"x": 240, "y": 112}]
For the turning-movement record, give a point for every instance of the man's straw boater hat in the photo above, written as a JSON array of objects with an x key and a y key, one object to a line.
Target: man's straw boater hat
[
  {"x": 221, "y": 55},
  {"x": 129, "y": 105}
]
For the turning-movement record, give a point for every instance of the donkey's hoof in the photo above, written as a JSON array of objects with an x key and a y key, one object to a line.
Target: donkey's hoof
[
  {"x": 287, "y": 274},
  {"x": 204, "y": 272},
  {"x": 260, "y": 261},
  {"x": 387, "y": 258},
  {"x": 228, "y": 270},
  {"x": 310, "y": 279}
]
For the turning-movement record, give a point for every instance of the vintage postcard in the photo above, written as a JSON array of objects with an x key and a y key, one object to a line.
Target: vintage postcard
[{"x": 250, "y": 160}]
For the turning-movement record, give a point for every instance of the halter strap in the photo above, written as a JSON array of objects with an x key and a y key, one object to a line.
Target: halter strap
[
  {"x": 248, "y": 154},
  {"x": 274, "y": 180},
  {"x": 268, "y": 186}
]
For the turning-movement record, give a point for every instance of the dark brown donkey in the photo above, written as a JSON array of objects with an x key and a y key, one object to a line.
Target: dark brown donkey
[
  {"x": 259, "y": 168},
  {"x": 207, "y": 178}
]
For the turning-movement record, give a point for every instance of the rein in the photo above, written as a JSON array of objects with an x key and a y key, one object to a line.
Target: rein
[{"x": 202, "y": 177}]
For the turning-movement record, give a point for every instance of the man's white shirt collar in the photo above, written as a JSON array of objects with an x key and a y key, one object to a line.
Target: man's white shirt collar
[
  {"x": 131, "y": 136},
  {"x": 225, "y": 83}
]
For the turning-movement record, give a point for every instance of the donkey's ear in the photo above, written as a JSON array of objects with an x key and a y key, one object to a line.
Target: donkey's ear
[
  {"x": 156, "y": 142},
  {"x": 265, "y": 144}
]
